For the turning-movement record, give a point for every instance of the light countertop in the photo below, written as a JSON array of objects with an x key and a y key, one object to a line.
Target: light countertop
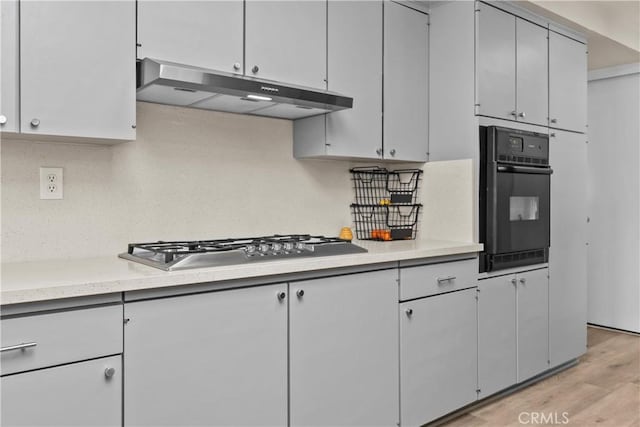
[{"x": 48, "y": 280}]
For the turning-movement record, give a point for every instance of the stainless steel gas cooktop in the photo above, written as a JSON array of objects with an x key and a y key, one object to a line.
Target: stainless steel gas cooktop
[{"x": 214, "y": 253}]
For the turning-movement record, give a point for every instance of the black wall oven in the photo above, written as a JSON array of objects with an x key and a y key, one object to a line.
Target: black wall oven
[{"x": 515, "y": 183}]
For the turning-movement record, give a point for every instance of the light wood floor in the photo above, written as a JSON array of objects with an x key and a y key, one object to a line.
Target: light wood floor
[{"x": 602, "y": 390}]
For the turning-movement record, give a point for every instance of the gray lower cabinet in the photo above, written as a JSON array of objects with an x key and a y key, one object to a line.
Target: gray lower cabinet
[
  {"x": 568, "y": 252},
  {"x": 513, "y": 329},
  {"x": 406, "y": 88},
  {"x": 9, "y": 95},
  {"x": 217, "y": 358},
  {"x": 79, "y": 394},
  {"x": 343, "y": 344},
  {"x": 79, "y": 79},
  {"x": 567, "y": 83},
  {"x": 497, "y": 328},
  {"x": 208, "y": 34},
  {"x": 438, "y": 356}
]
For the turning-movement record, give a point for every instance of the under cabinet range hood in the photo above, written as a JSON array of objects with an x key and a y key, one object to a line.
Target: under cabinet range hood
[{"x": 165, "y": 82}]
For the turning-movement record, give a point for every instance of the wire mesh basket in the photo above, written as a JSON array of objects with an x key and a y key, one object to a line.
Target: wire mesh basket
[
  {"x": 385, "y": 222},
  {"x": 378, "y": 186}
]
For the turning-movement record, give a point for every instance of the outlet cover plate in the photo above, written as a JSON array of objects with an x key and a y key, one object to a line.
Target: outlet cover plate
[{"x": 51, "y": 183}]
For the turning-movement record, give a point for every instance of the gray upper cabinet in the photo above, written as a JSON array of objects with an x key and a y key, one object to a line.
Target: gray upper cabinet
[
  {"x": 532, "y": 103},
  {"x": 496, "y": 63},
  {"x": 568, "y": 252},
  {"x": 286, "y": 41},
  {"x": 79, "y": 394},
  {"x": 343, "y": 351},
  {"x": 208, "y": 34},
  {"x": 9, "y": 96},
  {"x": 511, "y": 67},
  {"x": 79, "y": 80},
  {"x": 218, "y": 358},
  {"x": 354, "y": 58},
  {"x": 406, "y": 67},
  {"x": 533, "y": 323},
  {"x": 567, "y": 83},
  {"x": 438, "y": 356}
]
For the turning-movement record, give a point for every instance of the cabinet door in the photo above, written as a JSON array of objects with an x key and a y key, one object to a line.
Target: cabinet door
[
  {"x": 567, "y": 83},
  {"x": 354, "y": 64},
  {"x": 206, "y": 34},
  {"x": 496, "y": 63},
  {"x": 286, "y": 41},
  {"x": 343, "y": 350},
  {"x": 9, "y": 96},
  {"x": 568, "y": 251},
  {"x": 209, "y": 359},
  {"x": 532, "y": 73},
  {"x": 438, "y": 356},
  {"x": 533, "y": 323},
  {"x": 79, "y": 394},
  {"x": 406, "y": 94},
  {"x": 496, "y": 334},
  {"x": 79, "y": 79}
]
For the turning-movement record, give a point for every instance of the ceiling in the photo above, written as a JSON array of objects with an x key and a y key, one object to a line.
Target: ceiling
[{"x": 612, "y": 27}]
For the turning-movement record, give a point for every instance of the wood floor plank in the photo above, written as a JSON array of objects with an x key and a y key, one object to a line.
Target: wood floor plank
[{"x": 603, "y": 389}]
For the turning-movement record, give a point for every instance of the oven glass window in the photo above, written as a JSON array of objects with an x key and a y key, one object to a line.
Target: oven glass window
[{"x": 523, "y": 208}]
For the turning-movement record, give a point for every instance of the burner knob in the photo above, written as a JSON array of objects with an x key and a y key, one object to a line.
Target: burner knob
[
  {"x": 250, "y": 249},
  {"x": 301, "y": 246},
  {"x": 288, "y": 246},
  {"x": 264, "y": 247},
  {"x": 276, "y": 247}
]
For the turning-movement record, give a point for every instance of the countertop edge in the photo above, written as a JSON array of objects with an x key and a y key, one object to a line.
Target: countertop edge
[{"x": 218, "y": 274}]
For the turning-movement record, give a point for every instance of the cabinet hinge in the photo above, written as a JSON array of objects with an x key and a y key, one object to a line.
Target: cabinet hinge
[
  {"x": 478, "y": 391},
  {"x": 139, "y": 44},
  {"x": 126, "y": 320}
]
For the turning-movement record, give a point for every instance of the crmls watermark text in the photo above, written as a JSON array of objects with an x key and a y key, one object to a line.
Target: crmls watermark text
[{"x": 543, "y": 418}]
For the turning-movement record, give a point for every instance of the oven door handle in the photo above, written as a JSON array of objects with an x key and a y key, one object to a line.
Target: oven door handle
[{"x": 525, "y": 169}]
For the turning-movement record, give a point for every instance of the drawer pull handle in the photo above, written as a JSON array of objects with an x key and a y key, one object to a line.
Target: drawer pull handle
[
  {"x": 442, "y": 280},
  {"x": 18, "y": 346}
]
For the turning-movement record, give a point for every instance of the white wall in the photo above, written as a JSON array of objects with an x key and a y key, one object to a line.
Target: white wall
[
  {"x": 614, "y": 198},
  {"x": 194, "y": 174}
]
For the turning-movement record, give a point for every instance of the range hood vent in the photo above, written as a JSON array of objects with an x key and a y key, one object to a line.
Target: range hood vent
[{"x": 175, "y": 84}]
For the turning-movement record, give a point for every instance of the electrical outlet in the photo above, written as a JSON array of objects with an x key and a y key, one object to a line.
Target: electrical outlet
[{"x": 51, "y": 183}]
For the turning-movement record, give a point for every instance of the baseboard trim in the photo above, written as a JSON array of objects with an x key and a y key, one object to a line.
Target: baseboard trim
[
  {"x": 612, "y": 329},
  {"x": 501, "y": 394}
]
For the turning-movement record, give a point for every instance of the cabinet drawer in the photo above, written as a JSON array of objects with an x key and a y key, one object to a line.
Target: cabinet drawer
[
  {"x": 62, "y": 337},
  {"x": 425, "y": 280}
]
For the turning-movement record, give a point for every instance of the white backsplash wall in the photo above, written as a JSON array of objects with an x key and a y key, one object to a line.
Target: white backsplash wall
[{"x": 193, "y": 174}]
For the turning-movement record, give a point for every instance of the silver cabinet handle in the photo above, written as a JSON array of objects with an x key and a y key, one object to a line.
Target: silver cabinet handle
[
  {"x": 514, "y": 113},
  {"x": 3, "y": 119},
  {"x": 236, "y": 66},
  {"x": 554, "y": 120},
  {"x": 513, "y": 281},
  {"x": 21, "y": 346},
  {"x": 392, "y": 152},
  {"x": 255, "y": 69},
  {"x": 523, "y": 281},
  {"x": 109, "y": 372},
  {"x": 281, "y": 296},
  {"x": 522, "y": 114},
  {"x": 35, "y": 122},
  {"x": 409, "y": 311},
  {"x": 379, "y": 151},
  {"x": 441, "y": 280},
  {"x": 300, "y": 293}
]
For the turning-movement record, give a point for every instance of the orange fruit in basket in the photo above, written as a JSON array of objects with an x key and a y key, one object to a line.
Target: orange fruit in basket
[{"x": 386, "y": 235}]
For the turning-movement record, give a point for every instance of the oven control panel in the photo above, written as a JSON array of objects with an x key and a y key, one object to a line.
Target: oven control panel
[{"x": 521, "y": 147}]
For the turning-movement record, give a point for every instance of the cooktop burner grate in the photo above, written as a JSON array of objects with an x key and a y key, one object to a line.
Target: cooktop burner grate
[{"x": 163, "y": 254}]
